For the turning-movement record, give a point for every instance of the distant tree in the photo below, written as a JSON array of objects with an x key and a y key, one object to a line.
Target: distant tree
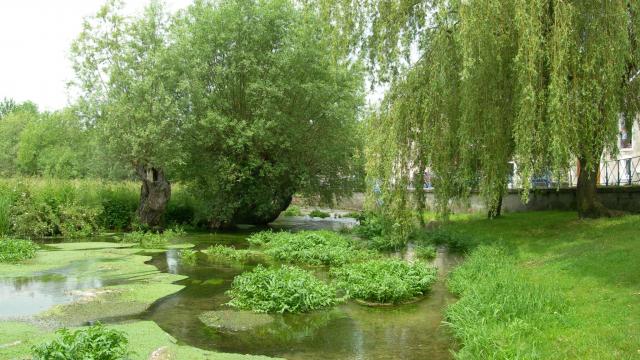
[
  {"x": 130, "y": 92},
  {"x": 11, "y": 127}
]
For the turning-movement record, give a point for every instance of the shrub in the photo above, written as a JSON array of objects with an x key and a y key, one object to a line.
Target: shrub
[
  {"x": 319, "y": 214},
  {"x": 119, "y": 204},
  {"x": 500, "y": 309},
  {"x": 12, "y": 251},
  {"x": 384, "y": 281},
  {"x": 426, "y": 252},
  {"x": 78, "y": 221},
  {"x": 32, "y": 219},
  {"x": 385, "y": 243},
  {"x": 292, "y": 210},
  {"x": 221, "y": 252},
  {"x": 286, "y": 289},
  {"x": 96, "y": 342},
  {"x": 371, "y": 226},
  {"x": 311, "y": 247}
]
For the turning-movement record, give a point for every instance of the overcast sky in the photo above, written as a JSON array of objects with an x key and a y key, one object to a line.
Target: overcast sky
[{"x": 35, "y": 38}]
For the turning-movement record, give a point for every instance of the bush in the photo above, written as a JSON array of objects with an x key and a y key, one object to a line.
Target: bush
[
  {"x": 96, "y": 342},
  {"x": 119, "y": 204},
  {"x": 386, "y": 243},
  {"x": 371, "y": 226},
  {"x": 384, "y": 281},
  {"x": 78, "y": 221},
  {"x": 500, "y": 309},
  {"x": 292, "y": 210},
  {"x": 319, "y": 214},
  {"x": 221, "y": 252},
  {"x": 310, "y": 247},
  {"x": 12, "y": 251},
  {"x": 286, "y": 289},
  {"x": 32, "y": 219},
  {"x": 426, "y": 252}
]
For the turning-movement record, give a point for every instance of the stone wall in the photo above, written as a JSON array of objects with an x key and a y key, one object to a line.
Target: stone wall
[{"x": 615, "y": 198}]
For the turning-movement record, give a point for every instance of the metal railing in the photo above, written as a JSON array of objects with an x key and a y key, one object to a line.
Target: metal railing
[{"x": 621, "y": 172}]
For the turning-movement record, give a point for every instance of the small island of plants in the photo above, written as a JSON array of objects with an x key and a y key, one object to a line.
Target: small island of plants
[
  {"x": 286, "y": 289},
  {"x": 13, "y": 250},
  {"x": 382, "y": 282}
]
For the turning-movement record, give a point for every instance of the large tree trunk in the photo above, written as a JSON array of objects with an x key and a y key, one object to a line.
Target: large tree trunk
[
  {"x": 154, "y": 196},
  {"x": 588, "y": 205}
]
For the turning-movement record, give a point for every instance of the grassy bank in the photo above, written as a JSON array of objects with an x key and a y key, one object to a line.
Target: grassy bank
[
  {"x": 33, "y": 207},
  {"x": 545, "y": 285}
]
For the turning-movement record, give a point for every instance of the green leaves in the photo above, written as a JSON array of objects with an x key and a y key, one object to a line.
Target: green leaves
[
  {"x": 286, "y": 289},
  {"x": 13, "y": 251},
  {"x": 384, "y": 281},
  {"x": 96, "y": 343}
]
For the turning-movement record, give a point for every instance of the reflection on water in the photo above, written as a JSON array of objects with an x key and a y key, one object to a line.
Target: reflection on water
[{"x": 350, "y": 331}]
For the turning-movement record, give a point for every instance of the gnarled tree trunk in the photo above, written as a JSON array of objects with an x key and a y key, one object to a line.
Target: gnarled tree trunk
[
  {"x": 588, "y": 205},
  {"x": 154, "y": 196}
]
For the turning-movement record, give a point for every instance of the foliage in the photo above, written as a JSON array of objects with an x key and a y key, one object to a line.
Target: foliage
[
  {"x": 292, "y": 210},
  {"x": 78, "y": 221},
  {"x": 274, "y": 114},
  {"x": 12, "y": 250},
  {"x": 315, "y": 213},
  {"x": 96, "y": 342},
  {"x": 370, "y": 226},
  {"x": 188, "y": 256},
  {"x": 426, "y": 252},
  {"x": 310, "y": 247},
  {"x": 499, "y": 301},
  {"x": 286, "y": 289},
  {"x": 384, "y": 281},
  {"x": 119, "y": 203},
  {"x": 229, "y": 253},
  {"x": 562, "y": 73},
  {"x": 358, "y": 215},
  {"x": 150, "y": 239}
]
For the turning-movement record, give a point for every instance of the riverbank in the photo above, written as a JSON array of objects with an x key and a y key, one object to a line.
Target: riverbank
[{"x": 545, "y": 285}]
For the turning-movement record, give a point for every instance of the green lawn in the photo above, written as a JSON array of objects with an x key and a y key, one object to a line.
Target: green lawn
[{"x": 545, "y": 285}]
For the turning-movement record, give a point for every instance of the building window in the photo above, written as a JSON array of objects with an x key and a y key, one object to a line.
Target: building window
[{"x": 625, "y": 138}]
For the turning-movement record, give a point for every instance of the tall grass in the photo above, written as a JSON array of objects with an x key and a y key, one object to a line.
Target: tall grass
[
  {"x": 36, "y": 207},
  {"x": 502, "y": 313}
]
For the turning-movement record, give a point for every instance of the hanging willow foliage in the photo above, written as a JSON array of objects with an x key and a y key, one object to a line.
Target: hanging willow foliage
[{"x": 540, "y": 82}]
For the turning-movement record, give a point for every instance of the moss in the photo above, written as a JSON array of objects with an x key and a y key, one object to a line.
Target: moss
[
  {"x": 16, "y": 340},
  {"x": 232, "y": 320}
]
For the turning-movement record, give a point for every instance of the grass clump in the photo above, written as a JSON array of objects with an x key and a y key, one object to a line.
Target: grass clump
[
  {"x": 13, "y": 251},
  {"x": 426, "y": 252},
  {"x": 319, "y": 214},
  {"x": 384, "y": 281},
  {"x": 287, "y": 289},
  {"x": 310, "y": 247},
  {"x": 96, "y": 342},
  {"x": 221, "y": 252},
  {"x": 500, "y": 304},
  {"x": 292, "y": 210},
  {"x": 188, "y": 256}
]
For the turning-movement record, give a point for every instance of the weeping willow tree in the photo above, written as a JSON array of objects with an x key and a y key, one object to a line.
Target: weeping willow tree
[{"x": 541, "y": 82}]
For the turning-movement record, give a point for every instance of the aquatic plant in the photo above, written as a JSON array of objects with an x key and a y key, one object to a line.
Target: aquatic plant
[
  {"x": 426, "y": 252},
  {"x": 152, "y": 240},
  {"x": 286, "y": 289},
  {"x": 311, "y": 247},
  {"x": 384, "y": 281},
  {"x": 12, "y": 250},
  {"x": 188, "y": 256},
  {"x": 96, "y": 342},
  {"x": 319, "y": 214},
  {"x": 221, "y": 252},
  {"x": 292, "y": 210}
]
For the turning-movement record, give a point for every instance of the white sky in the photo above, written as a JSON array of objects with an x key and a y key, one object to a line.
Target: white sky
[{"x": 35, "y": 38}]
